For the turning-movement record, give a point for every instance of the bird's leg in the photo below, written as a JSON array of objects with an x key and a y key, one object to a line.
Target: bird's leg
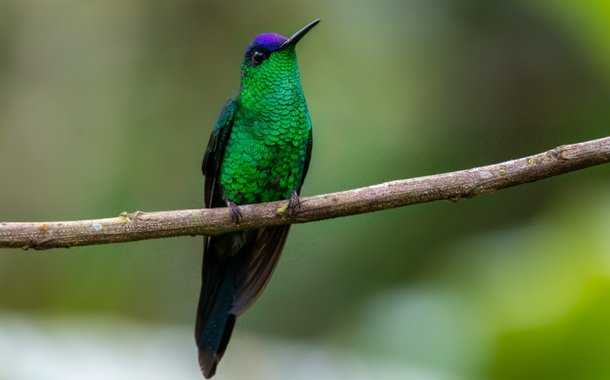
[
  {"x": 293, "y": 203},
  {"x": 236, "y": 216}
]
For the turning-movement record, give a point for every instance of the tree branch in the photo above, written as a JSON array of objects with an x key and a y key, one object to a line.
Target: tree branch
[{"x": 452, "y": 186}]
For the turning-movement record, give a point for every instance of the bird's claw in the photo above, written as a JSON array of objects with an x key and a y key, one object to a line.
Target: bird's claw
[
  {"x": 293, "y": 203},
  {"x": 236, "y": 216}
]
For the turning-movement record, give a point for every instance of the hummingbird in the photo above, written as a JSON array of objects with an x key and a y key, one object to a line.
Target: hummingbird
[{"x": 259, "y": 151}]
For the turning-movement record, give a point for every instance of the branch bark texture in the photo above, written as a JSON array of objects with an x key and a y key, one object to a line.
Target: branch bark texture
[{"x": 452, "y": 186}]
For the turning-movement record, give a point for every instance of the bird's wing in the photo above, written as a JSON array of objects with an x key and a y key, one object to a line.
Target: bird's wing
[
  {"x": 216, "y": 147},
  {"x": 214, "y": 323},
  {"x": 257, "y": 266}
]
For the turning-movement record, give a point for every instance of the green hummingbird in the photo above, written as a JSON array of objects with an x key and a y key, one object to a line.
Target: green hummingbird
[{"x": 259, "y": 151}]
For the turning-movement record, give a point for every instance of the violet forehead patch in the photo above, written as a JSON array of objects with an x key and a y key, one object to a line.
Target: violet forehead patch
[{"x": 270, "y": 41}]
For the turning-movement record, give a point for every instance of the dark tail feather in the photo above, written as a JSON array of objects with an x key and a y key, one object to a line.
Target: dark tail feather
[
  {"x": 214, "y": 321},
  {"x": 236, "y": 268},
  {"x": 210, "y": 357}
]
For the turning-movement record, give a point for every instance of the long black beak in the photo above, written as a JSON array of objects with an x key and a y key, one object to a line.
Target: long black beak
[{"x": 298, "y": 35}]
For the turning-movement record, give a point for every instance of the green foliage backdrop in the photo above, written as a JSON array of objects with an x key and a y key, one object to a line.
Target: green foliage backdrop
[{"x": 106, "y": 106}]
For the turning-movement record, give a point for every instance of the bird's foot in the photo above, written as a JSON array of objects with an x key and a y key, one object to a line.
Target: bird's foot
[
  {"x": 236, "y": 216},
  {"x": 293, "y": 203}
]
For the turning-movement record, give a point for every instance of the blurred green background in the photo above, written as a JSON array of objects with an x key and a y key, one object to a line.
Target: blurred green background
[{"x": 107, "y": 106}]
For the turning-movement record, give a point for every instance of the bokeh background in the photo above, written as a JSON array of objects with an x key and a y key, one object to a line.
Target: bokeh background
[{"x": 107, "y": 106}]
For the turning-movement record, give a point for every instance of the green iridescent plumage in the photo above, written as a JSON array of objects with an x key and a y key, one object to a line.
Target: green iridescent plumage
[
  {"x": 266, "y": 151},
  {"x": 259, "y": 151}
]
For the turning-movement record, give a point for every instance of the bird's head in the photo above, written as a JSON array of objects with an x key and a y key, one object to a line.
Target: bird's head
[{"x": 271, "y": 55}]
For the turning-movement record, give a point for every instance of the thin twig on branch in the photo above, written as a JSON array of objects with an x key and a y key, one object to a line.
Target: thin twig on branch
[{"x": 452, "y": 186}]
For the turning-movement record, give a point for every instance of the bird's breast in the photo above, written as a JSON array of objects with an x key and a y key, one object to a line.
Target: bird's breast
[{"x": 265, "y": 156}]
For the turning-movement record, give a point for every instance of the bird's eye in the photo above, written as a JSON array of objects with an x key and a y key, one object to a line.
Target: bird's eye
[{"x": 257, "y": 58}]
